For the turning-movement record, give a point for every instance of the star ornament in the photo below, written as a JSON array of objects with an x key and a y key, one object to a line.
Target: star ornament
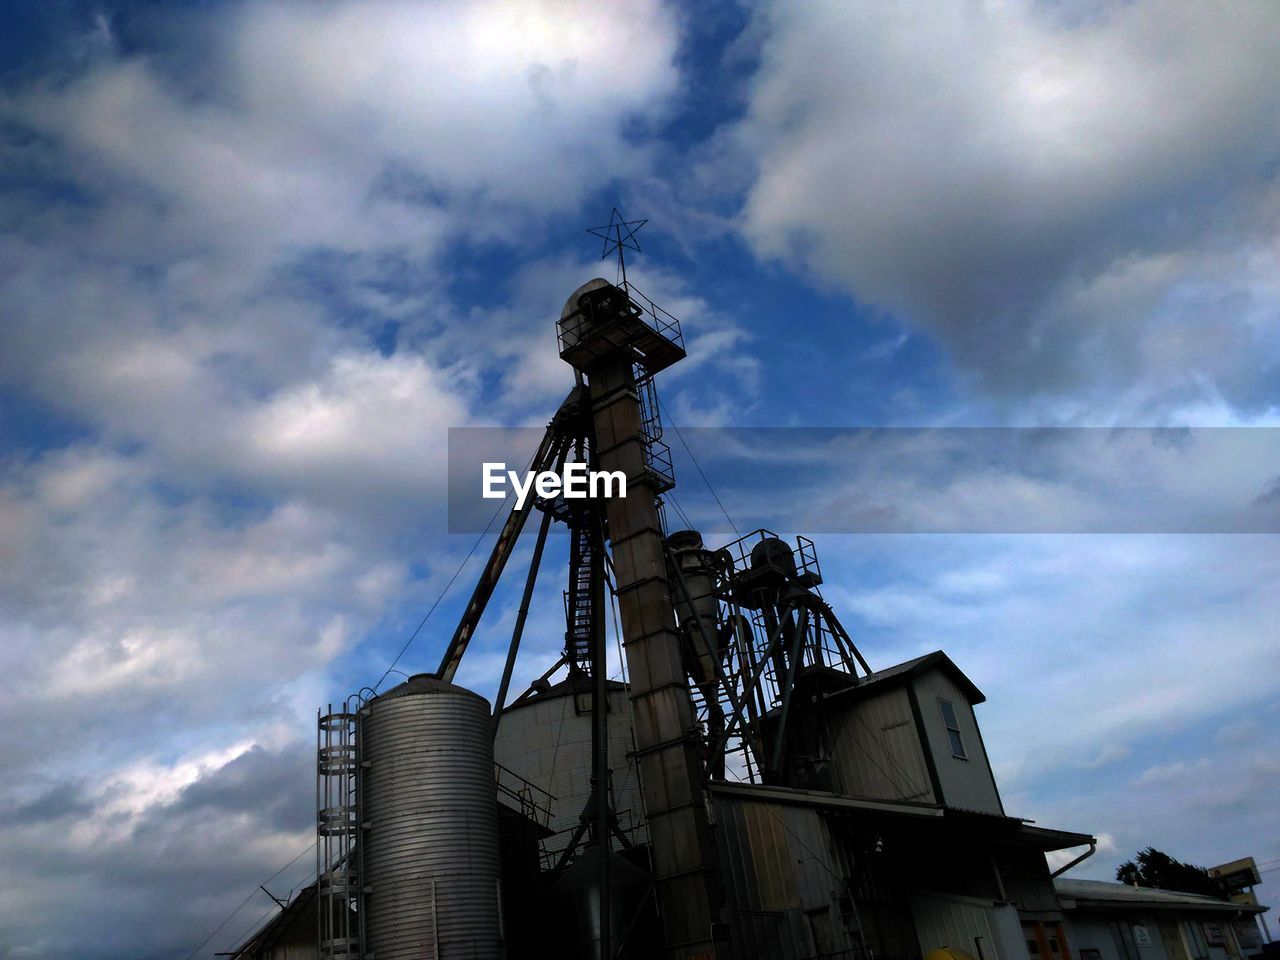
[{"x": 618, "y": 234}]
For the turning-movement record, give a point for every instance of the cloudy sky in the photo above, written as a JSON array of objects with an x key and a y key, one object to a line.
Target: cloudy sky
[{"x": 257, "y": 258}]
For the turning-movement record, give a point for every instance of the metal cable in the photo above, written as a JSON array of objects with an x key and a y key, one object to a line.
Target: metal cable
[
  {"x": 465, "y": 560},
  {"x": 888, "y": 755},
  {"x": 635, "y": 759},
  {"x": 256, "y": 925},
  {"x": 680, "y": 510},
  {"x": 246, "y": 900},
  {"x": 390, "y": 669},
  {"x": 698, "y": 467}
]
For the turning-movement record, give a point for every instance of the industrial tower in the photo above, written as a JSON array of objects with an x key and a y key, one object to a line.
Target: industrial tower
[{"x": 716, "y": 643}]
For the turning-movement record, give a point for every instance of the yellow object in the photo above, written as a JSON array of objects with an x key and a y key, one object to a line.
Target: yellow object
[{"x": 947, "y": 953}]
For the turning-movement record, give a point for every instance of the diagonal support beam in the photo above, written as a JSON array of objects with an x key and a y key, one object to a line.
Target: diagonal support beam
[{"x": 555, "y": 444}]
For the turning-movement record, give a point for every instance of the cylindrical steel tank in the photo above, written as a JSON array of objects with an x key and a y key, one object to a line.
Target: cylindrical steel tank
[
  {"x": 429, "y": 847},
  {"x": 546, "y": 740},
  {"x": 774, "y": 555},
  {"x": 697, "y": 608}
]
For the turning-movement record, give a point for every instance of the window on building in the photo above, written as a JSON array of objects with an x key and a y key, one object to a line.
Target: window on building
[
  {"x": 1032, "y": 935},
  {"x": 1045, "y": 942},
  {"x": 953, "y": 729}
]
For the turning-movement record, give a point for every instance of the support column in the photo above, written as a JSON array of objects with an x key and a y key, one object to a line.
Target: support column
[{"x": 665, "y": 728}]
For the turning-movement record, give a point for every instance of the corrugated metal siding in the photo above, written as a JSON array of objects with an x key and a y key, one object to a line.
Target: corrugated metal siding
[
  {"x": 429, "y": 847},
  {"x": 1156, "y": 951},
  {"x": 966, "y": 784},
  {"x": 1171, "y": 933},
  {"x": 956, "y": 922},
  {"x": 1010, "y": 943},
  {"x": 1026, "y": 880},
  {"x": 549, "y": 745},
  {"x": 782, "y": 877},
  {"x": 1087, "y": 932},
  {"x": 876, "y": 752}
]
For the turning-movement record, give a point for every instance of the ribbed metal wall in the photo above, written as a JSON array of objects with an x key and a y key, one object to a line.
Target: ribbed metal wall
[
  {"x": 966, "y": 784},
  {"x": 547, "y": 742},
  {"x": 977, "y": 927},
  {"x": 877, "y": 752},
  {"x": 429, "y": 852},
  {"x": 783, "y": 876}
]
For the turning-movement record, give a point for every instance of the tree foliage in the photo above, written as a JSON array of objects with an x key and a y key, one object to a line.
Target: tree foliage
[{"x": 1155, "y": 868}]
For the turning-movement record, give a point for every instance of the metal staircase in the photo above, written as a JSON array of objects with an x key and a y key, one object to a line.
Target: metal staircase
[{"x": 579, "y": 625}]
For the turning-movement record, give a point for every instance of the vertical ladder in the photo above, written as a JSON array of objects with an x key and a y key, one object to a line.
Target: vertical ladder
[
  {"x": 337, "y": 825},
  {"x": 579, "y": 618},
  {"x": 657, "y": 454}
]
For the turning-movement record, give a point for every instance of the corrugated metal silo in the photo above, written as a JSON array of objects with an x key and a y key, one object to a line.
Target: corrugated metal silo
[
  {"x": 430, "y": 845},
  {"x": 547, "y": 741}
]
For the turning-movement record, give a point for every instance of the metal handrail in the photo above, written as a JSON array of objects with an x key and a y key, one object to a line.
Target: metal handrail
[
  {"x": 661, "y": 320},
  {"x": 570, "y": 328},
  {"x": 523, "y": 794}
]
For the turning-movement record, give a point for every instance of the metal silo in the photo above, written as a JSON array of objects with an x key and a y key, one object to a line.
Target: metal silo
[
  {"x": 429, "y": 847},
  {"x": 546, "y": 740}
]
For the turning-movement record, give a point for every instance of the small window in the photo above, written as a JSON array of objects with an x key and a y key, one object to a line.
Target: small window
[{"x": 953, "y": 729}]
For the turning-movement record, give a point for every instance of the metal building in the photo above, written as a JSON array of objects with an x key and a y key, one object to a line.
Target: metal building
[{"x": 1114, "y": 921}]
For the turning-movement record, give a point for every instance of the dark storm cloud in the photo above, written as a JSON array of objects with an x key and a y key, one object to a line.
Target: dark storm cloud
[
  {"x": 266, "y": 782},
  {"x": 57, "y": 803},
  {"x": 184, "y": 859}
]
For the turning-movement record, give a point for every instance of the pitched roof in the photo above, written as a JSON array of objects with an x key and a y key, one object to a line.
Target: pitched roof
[
  {"x": 966, "y": 822},
  {"x": 1102, "y": 894},
  {"x": 910, "y": 668},
  {"x": 279, "y": 926}
]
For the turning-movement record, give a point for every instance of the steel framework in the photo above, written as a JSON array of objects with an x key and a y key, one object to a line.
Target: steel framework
[{"x": 338, "y": 827}]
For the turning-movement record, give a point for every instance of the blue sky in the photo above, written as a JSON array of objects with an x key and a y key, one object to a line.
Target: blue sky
[{"x": 257, "y": 258}]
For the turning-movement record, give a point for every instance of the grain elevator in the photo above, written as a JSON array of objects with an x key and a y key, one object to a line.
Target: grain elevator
[{"x": 752, "y": 788}]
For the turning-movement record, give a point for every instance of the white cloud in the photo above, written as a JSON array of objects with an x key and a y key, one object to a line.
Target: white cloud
[
  {"x": 196, "y": 279},
  {"x": 1109, "y": 754},
  {"x": 972, "y": 480},
  {"x": 518, "y": 102},
  {"x": 371, "y": 132},
  {"x": 1078, "y": 209}
]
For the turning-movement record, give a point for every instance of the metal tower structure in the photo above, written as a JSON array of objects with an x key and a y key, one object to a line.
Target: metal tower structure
[
  {"x": 717, "y": 642},
  {"x": 608, "y": 338}
]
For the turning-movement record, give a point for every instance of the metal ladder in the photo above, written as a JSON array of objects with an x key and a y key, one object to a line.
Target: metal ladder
[
  {"x": 578, "y": 614},
  {"x": 657, "y": 455},
  {"x": 337, "y": 827}
]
